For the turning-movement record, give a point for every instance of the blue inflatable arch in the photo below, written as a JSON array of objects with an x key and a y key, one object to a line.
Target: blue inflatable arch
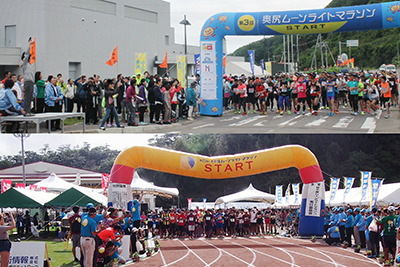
[{"x": 341, "y": 19}]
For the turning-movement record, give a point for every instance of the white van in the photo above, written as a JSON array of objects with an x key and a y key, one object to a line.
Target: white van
[{"x": 389, "y": 67}]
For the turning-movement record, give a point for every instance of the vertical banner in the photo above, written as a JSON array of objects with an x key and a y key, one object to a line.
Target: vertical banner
[
  {"x": 374, "y": 185},
  {"x": 251, "y": 59},
  {"x": 365, "y": 177},
  {"x": 140, "y": 63},
  {"x": 197, "y": 63},
  {"x": 189, "y": 200},
  {"x": 278, "y": 194},
  {"x": 348, "y": 184},
  {"x": 208, "y": 71},
  {"x": 181, "y": 69},
  {"x": 262, "y": 66},
  {"x": 32, "y": 51},
  {"x": 105, "y": 177},
  {"x": 223, "y": 63},
  {"x": 313, "y": 196},
  {"x": 43, "y": 189},
  {"x": 296, "y": 192},
  {"x": 5, "y": 185},
  {"x": 268, "y": 68},
  {"x": 334, "y": 187},
  {"x": 204, "y": 203},
  {"x": 32, "y": 187},
  {"x": 20, "y": 185},
  {"x": 287, "y": 194}
]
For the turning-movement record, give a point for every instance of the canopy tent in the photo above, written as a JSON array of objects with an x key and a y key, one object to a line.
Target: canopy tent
[
  {"x": 54, "y": 184},
  {"x": 24, "y": 198},
  {"x": 249, "y": 194},
  {"x": 139, "y": 185},
  {"x": 79, "y": 196},
  {"x": 239, "y": 68}
]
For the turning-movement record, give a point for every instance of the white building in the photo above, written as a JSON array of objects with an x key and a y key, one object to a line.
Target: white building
[{"x": 75, "y": 37}]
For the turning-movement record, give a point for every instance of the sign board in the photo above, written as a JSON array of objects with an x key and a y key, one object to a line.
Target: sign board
[
  {"x": 24, "y": 254},
  {"x": 344, "y": 57},
  {"x": 352, "y": 43},
  {"x": 208, "y": 70},
  {"x": 315, "y": 192}
]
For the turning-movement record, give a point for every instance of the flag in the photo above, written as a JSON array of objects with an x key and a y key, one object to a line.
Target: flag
[
  {"x": 262, "y": 66},
  {"x": 114, "y": 57},
  {"x": 197, "y": 63},
  {"x": 251, "y": 59},
  {"x": 287, "y": 194},
  {"x": 348, "y": 184},
  {"x": 204, "y": 203},
  {"x": 334, "y": 187},
  {"x": 181, "y": 67},
  {"x": 189, "y": 203},
  {"x": 43, "y": 189},
  {"x": 33, "y": 187},
  {"x": 278, "y": 194},
  {"x": 375, "y": 185},
  {"x": 365, "y": 177},
  {"x": 19, "y": 185},
  {"x": 5, "y": 185},
  {"x": 140, "y": 63},
  {"x": 164, "y": 64},
  {"x": 105, "y": 178},
  {"x": 296, "y": 192},
  {"x": 32, "y": 52},
  {"x": 224, "y": 61}
]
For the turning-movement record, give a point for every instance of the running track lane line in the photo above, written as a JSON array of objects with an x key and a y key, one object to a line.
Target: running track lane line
[
  {"x": 219, "y": 256},
  {"x": 163, "y": 259},
  {"x": 239, "y": 259},
  {"x": 251, "y": 250},
  {"x": 197, "y": 256},
  {"x": 187, "y": 253}
]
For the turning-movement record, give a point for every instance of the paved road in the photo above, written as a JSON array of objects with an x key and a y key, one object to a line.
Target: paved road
[{"x": 343, "y": 122}]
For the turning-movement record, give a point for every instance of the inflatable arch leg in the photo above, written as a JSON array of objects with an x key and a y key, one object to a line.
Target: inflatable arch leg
[
  {"x": 225, "y": 167},
  {"x": 338, "y": 19}
]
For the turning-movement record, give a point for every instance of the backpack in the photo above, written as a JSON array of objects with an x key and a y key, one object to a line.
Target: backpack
[{"x": 76, "y": 225}]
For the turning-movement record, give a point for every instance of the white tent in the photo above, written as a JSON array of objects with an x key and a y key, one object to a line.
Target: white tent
[
  {"x": 24, "y": 198},
  {"x": 139, "y": 185},
  {"x": 249, "y": 194},
  {"x": 239, "y": 68},
  {"x": 54, "y": 184}
]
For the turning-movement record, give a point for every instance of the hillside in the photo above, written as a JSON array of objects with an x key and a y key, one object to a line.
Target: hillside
[{"x": 375, "y": 47}]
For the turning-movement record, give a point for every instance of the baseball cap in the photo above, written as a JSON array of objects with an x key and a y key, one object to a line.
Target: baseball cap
[
  {"x": 357, "y": 209},
  {"x": 391, "y": 209},
  {"x": 89, "y": 205}
]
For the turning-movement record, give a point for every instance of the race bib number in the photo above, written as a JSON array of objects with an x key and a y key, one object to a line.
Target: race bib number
[
  {"x": 251, "y": 90},
  {"x": 323, "y": 83},
  {"x": 284, "y": 90},
  {"x": 269, "y": 89},
  {"x": 232, "y": 220},
  {"x": 180, "y": 221}
]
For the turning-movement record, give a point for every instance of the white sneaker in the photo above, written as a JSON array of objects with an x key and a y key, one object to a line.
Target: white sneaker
[{"x": 387, "y": 116}]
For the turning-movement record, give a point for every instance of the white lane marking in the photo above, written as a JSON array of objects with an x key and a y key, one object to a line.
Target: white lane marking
[
  {"x": 251, "y": 250},
  {"x": 163, "y": 259},
  {"x": 174, "y": 132},
  {"x": 239, "y": 259},
  {"x": 369, "y": 124},
  {"x": 292, "y": 123},
  {"x": 181, "y": 258},
  {"x": 343, "y": 122},
  {"x": 277, "y": 116},
  {"x": 202, "y": 126},
  {"x": 243, "y": 122},
  {"x": 219, "y": 256},
  {"x": 231, "y": 119},
  {"x": 197, "y": 256},
  {"x": 289, "y": 121},
  {"x": 318, "y": 122},
  {"x": 260, "y": 123}
]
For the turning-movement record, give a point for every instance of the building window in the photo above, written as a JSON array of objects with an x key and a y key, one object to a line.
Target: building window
[
  {"x": 96, "y": 5},
  {"x": 140, "y": 14},
  {"x": 166, "y": 40}
]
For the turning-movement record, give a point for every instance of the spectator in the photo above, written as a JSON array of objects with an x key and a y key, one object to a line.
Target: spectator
[
  {"x": 191, "y": 99},
  {"x": 39, "y": 99},
  {"x": 9, "y": 105},
  {"x": 167, "y": 104},
  {"x": 53, "y": 98},
  {"x": 5, "y": 244},
  {"x": 158, "y": 99},
  {"x": 110, "y": 95},
  {"x": 131, "y": 102},
  {"x": 92, "y": 101},
  {"x": 142, "y": 101},
  {"x": 7, "y": 75},
  {"x": 82, "y": 95},
  {"x": 69, "y": 96},
  {"x": 28, "y": 71}
]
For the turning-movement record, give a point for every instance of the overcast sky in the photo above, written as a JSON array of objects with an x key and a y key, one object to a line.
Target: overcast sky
[
  {"x": 197, "y": 12},
  {"x": 10, "y": 145}
]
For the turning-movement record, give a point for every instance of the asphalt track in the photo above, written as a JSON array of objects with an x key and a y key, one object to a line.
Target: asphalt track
[{"x": 254, "y": 251}]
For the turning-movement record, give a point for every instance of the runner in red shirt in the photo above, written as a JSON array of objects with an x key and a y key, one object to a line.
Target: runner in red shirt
[
  {"x": 172, "y": 223},
  {"x": 181, "y": 223},
  {"x": 246, "y": 223},
  {"x": 191, "y": 221},
  {"x": 261, "y": 94}
]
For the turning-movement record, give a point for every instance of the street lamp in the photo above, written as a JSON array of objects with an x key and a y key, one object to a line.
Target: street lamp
[
  {"x": 185, "y": 23},
  {"x": 22, "y": 136}
]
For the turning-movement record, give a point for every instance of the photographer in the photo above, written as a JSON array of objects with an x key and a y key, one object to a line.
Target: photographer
[
  {"x": 81, "y": 99},
  {"x": 92, "y": 101},
  {"x": 5, "y": 244}
]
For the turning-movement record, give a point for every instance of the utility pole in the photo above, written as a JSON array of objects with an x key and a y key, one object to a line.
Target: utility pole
[
  {"x": 288, "y": 49},
  {"x": 298, "y": 53},
  {"x": 22, "y": 136},
  {"x": 284, "y": 54}
]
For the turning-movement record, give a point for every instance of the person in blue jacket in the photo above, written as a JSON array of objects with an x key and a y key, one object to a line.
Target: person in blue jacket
[
  {"x": 334, "y": 217},
  {"x": 327, "y": 218},
  {"x": 357, "y": 219},
  {"x": 341, "y": 223},
  {"x": 9, "y": 105},
  {"x": 333, "y": 235},
  {"x": 191, "y": 99},
  {"x": 361, "y": 228},
  {"x": 349, "y": 224},
  {"x": 135, "y": 211},
  {"x": 53, "y": 98}
]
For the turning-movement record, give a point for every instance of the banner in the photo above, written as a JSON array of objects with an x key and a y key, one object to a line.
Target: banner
[
  {"x": 197, "y": 64},
  {"x": 223, "y": 63},
  {"x": 251, "y": 59},
  {"x": 374, "y": 186},
  {"x": 140, "y": 63},
  {"x": 32, "y": 52},
  {"x": 181, "y": 68},
  {"x": 208, "y": 71},
  {"x": 32, "y": 187},
  {"x": 268, "y": 68},
  {"x": 204, "y": 203},
  {"x": 334, "y": 187},
  {"x": 20, "y": 185},
  {"x": 287, "y": 194},
  {"x": 43, "y": 189},
  {"x": 5, "y": 185},
  {"x": 189, "y": 200},
  {"x": 262, "y": 66},
  {"x": 24, "y": 254},
  {"x": 105, "y": 177},
  {"x": 114, "y": 57},
  {"x": 313, "y": 196},
  {"x": 278, "y": 194},
  {"x": 348, "y": 184},
  {"x": 296, "y": 192},
  {"x": 365, "y": 177}
]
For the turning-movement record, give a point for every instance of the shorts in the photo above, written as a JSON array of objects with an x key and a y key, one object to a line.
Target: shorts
[
  {"x": 246, "y": 226},
  {"x": 263, "y": 99},
  {"x": 374, "y": 99},
  {"x": 395, "y": 92},
  {"x": 360, "y": 98},
  {"x": 389, "y": 241},
  {"x": 165, "y": 227},
  {"x": 219, "y": 225},
  {"x": 273, "y": 221},
  {"x": 236, "y": 99},
  {"x": 302, "y": 100},
  {"x": 76, "y": 240},
  {"x": 208, "y": 227},
  {"x": 191, "y": 227},
  {"x": 294, "y": 95},
  {"x": 150, "y": 224},
  {"x": 342, "y": 93},
  {"x": 267, "y": 221},
  {"x": 253, "y": 224},
  {"x": 5, "y": 245},
  {"x": 384, "y": 100},
  {"x": 365, "y": 98},
  {"x": 232, "y": 225},
  {"x": 330, "y": 98},
  {"x": 181, "y": 228},
  {"x": 251, "y": 99}
]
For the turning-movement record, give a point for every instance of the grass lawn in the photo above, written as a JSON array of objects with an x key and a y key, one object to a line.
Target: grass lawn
[{"x": 72, "y": 121}]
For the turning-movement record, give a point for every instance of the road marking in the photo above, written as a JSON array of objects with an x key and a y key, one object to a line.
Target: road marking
[
  {"x": 197, "y": 256},
  {"x": 369, "y": 124},
  {"x": 343, "y": 122},
  {"x": 259, "y": 123},
  {"x": 289, "y": 121},
  {"x": 174, "y": 132},
  {"x": 203, "y": 126},
  {"x": 243, "y": 122},
  {"x": 181, "y": 258},
  {"x": 318, "y": 122},
  {"x": 231, "y": 119},
  {"x": 292, "y": 123}
]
